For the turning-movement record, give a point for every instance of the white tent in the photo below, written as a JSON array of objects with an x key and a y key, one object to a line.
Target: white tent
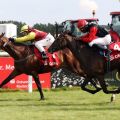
[{"x": 9, "y": 29}]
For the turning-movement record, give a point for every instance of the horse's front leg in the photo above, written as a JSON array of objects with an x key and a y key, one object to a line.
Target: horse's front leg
[
  {"x": 36, "y": 78},
  {"x": 104, "y": 86},
  {"x": 12, "y": 75},
  {"x": 95, "y": 83}
]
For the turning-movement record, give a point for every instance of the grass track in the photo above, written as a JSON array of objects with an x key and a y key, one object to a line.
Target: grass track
[{"x": 69, "y": 104}]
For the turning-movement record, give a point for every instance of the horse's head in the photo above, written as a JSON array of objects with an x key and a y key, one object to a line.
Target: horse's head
[
  {"x": 3, "y": 40},
  {"x": 61, "y": 42}
]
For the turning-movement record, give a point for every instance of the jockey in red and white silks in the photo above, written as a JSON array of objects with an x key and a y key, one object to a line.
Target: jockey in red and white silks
[{"x": 95, "y": 34}]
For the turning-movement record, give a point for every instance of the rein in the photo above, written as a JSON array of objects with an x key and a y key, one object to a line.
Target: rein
[
  {"x": 20, "y": 60},
  {"x": 5, "y": 43}
]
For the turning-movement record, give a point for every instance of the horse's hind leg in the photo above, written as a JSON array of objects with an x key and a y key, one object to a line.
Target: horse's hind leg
[
  {"x": 83, "y": 86},
  {"x": 12, "y": 75},
  {"x": 36, "y": 78}
]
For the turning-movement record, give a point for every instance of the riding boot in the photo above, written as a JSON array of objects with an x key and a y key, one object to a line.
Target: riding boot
[
  {"x": 108, "y": 51},
  {"x": 103, "y": 47},
  {"x": 108, "y": 57},
  {"x": 44, "y": 55}
]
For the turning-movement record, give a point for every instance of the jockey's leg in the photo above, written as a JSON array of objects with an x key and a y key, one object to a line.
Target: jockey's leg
[
  {"x": 101, "y": 42},
  {"x": 51, "y": 40},
  {"x": 98, "y": 41},
  {"x": 46, "y": 43},
  {"x": 40, "y": 47},
  {"x": 107, "y": 39}
]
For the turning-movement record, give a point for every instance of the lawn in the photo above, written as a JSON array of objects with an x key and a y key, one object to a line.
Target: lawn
[{"x": 70, "y": 104}]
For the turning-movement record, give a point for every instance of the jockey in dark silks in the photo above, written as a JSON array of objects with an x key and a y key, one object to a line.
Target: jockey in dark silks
[
  {"x": 96, "y": 35},
  {"x": 39, "y": 38}
]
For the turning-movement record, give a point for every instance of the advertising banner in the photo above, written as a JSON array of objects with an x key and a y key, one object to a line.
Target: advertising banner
[{"x": 21, "y": 81}]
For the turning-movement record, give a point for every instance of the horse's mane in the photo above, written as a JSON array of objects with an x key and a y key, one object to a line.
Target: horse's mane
[
  {"x": 76, "y": 40},
  {"x": 80, "y": 44}
]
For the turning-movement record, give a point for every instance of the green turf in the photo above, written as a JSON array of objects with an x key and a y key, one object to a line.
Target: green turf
[{"x": 72, "y": 104}]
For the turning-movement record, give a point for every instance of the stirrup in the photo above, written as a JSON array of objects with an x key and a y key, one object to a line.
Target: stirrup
[
  {"x": 44, "y": 56},
  {"x": 107, "y": 54}
]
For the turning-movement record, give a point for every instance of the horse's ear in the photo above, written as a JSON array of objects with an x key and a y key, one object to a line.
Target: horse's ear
[{"x": 2, "y": 35}]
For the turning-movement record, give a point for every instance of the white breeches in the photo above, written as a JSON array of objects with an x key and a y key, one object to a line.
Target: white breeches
[
  {"x": 46, "y": 42},
  {"x": 101, "y": 41}
]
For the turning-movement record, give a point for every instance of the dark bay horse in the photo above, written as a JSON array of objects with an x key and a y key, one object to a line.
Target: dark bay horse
[
  {"x": 25, "y": 61},
  {"x": 92, "y": 63}
]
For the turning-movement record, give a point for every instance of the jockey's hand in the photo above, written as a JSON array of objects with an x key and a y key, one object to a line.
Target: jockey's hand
[{"x": 11, "y": 39}]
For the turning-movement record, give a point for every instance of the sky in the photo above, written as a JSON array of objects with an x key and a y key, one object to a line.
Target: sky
[{"x": 51, "y": 11}]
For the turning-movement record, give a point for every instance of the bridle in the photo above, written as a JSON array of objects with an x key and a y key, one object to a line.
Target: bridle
[{"x": 6, "y": 43}]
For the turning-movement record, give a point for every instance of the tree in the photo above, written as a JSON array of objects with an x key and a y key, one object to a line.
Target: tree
[{"x": 49, "y": 28}]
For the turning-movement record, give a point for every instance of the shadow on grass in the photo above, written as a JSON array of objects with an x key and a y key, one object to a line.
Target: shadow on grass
[
  {"x": 59, "y": 106},
  {"x": 18, "y": 100}
]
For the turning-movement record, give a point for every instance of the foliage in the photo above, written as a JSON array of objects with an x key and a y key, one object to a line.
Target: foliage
[
  {"x": 50, "y": 28},
  {"x": 18, "y": 24}
]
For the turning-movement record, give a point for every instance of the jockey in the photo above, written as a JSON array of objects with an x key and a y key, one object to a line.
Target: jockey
[
  {"x": 96, "y": 35},
  {"x": 41, "y": 39}
]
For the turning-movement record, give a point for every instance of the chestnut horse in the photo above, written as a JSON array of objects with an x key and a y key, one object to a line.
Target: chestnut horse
[
  {"x": 25, "y": 61},
  {"x": 93, "y": 64}
]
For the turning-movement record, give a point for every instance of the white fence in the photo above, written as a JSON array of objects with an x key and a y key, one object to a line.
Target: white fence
[{"x": 4, "y": 54}]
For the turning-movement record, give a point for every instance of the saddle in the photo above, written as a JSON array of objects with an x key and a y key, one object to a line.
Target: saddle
[
  {"x": 53, "y": 60},
  {"x": 113, "y": 51},
  {"x": 110, "y": 54}
]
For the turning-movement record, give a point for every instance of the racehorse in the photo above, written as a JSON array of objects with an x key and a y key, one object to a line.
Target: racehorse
[
  {"x": 25, "y": 61},
  {"x": 93, "y": 64}
]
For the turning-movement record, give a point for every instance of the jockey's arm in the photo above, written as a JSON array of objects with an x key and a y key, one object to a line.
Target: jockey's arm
[
  {"x": 90, "y": 36},
  {"x": 29, "y": 37}
]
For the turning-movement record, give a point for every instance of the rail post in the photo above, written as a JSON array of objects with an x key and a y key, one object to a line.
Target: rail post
[{"x": 30, "y": 84}]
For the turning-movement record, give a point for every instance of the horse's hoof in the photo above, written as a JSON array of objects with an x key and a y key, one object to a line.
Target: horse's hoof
[
  {"x": 42, "y": 99},
  {"x": 113, "y": 98}
]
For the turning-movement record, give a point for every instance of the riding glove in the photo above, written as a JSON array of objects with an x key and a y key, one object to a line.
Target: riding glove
[{"x": 11, "y": 39}]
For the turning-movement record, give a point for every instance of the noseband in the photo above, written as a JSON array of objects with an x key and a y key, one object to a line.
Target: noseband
[{"x": 5, "y": 42}]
